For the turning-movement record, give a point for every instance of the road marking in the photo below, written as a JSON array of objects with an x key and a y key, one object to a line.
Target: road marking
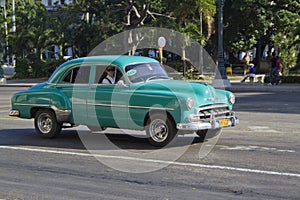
[
  {"x": 5, "y": 106},
  {"x": 219, "y": 167},
  {"x": 252, "y": 148},
  {"x": 15, "y": 118},
  {"x": 261, "y": 128}
]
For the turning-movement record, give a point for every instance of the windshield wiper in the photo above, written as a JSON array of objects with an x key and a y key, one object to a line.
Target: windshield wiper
[
  {"x": 150, "y": 78},
  {"x": 157, "y": 77}
]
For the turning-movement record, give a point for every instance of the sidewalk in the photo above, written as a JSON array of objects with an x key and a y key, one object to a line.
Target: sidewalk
[
  {"x": 248, "y": 87},
  {"x": 22, "y": 82},
  {"x": 236, "y": 86}
]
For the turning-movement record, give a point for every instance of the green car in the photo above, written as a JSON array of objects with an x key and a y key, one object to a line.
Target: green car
[{"x": 128, "y": 92}]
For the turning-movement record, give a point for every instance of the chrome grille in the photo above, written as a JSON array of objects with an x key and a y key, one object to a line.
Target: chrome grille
[{"x": 219, "y": 110}]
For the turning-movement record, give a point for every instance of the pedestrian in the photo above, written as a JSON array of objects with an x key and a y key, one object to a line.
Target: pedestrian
[
  {"x": 278, "y": 71},
  {"x": 246, "y": 62},
  {"x": 249, "y": 75},
  {"x": 274, "y": 70}
]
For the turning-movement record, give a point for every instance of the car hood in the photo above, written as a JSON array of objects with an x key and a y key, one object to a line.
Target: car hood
[{"x": 202, "y": 93}]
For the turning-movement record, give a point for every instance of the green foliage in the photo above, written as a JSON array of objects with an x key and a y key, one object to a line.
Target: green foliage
[
  {"x": 191, "y": 16},
  {"x": 272, "y": 22},
  {"x": 286, "y": 79},
  {"x": 84, "y": 24},
  {"x": 32, "y": 67}
]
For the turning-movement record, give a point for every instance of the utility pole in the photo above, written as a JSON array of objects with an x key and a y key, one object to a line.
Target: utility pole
[
  {"x": 221, "y": 78},
  {"x": 13, "y": 30}
]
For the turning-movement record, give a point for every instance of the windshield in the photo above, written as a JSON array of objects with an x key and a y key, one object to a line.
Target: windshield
[{"x": 145, "y": 72}]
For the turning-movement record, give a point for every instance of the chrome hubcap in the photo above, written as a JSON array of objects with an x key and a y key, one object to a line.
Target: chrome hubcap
[
  {"x": 158, "y": 130},
  {"x": 45, "y": 123}
]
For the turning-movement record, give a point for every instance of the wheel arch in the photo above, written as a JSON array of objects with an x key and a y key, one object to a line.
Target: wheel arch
[
  {"x": 61, "y": 115},
  {"x": 34, "y": 110},
  {"x": 156, "y": 111}
]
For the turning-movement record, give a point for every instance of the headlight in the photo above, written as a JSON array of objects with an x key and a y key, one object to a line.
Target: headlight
[
  {"x": 190, "y": 103},
  {"x": 231, "y": 98}
]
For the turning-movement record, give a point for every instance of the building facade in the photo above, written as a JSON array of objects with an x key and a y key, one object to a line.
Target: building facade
[{"x": 51, "y": 4}]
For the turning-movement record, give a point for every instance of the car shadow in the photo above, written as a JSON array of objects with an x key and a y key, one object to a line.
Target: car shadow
[{"x": 71, "y": 139}]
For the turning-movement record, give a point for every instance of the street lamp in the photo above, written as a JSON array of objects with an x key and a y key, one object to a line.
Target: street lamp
[
  {"x": 13, "y": 30},
  {"x": 221, "y": 78},
  {"x": 3, "y": 6}
]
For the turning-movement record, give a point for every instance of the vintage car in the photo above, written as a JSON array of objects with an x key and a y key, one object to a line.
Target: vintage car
[{"x": 138, "y": 95}]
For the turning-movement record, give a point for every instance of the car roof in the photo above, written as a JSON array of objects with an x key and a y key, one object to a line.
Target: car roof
[{"x": 121, "y": 61}]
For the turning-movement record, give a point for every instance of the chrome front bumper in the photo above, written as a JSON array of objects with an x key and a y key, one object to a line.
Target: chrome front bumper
[{"x": 211, "y": 124}]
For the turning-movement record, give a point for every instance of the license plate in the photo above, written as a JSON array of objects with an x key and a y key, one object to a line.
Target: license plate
[{"x": 223, "y": 122}]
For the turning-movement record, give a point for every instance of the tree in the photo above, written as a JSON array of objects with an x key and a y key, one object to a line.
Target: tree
[
  {"x": 34, "y": 33},
  {"x": 190, "y": 16},
  {"x": 257, "y": 23}
]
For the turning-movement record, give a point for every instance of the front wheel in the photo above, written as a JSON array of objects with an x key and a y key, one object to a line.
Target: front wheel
[
  {"x": 160, "y": 129},
  {"x": 207, "y": 134},
  {"x": 46, "y": 125}
]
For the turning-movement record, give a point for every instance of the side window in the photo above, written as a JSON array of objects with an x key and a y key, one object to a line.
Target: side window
[
  {"x": 108, "y": 75},
  {"x": 68, "y": 76},
  {"x": 100, "y": 74},
  {"x": 77, "y": 75}
]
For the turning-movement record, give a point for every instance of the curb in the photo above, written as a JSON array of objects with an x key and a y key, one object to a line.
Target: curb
[
  {"x": 18, "y": 85},
  {"x": 264, "y": 88}
]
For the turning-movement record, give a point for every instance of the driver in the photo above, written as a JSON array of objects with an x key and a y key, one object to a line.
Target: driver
[{"x": 110, "y": 77}]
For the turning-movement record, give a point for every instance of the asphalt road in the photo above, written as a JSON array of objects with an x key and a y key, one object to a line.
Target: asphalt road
[{"x": 259, "y": 159}]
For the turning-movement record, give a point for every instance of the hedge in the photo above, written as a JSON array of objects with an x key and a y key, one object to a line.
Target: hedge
[{"x": 286, "y": 79}]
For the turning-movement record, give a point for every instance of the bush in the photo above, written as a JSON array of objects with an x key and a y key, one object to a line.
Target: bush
[
  {"x": 23, "y": 69},
  {"x": 286, "y": 79},
  {"x": 176, "y": 65},
  {"x": 35, "y": 68}
]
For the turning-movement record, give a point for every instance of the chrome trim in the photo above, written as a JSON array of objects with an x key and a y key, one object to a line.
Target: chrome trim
[
  {"x": 218, "y": 106},
  {"x": 209, "y": 113},
  {"x": 78, "y": 103},
  {"x": 156, "y": 108},
  {"x": 212, "y": 124},
  {"x": 153, "y": 95},
  {"x": 28, "y": 104},
  {"x": 133, "y": 107},
  {"x": 212, "y": 99},
  {"x": 14, "y": 113},
  {"x": 61, "y": 115},
  {"x": 107, "y": 105},
  {"x": 71, "y": 84}
]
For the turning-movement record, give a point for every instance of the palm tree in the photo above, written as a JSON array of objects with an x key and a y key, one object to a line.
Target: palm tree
[{"x": 192, "y": 14}]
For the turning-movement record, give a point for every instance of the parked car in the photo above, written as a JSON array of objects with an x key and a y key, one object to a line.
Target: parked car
[{"x": 140, "y": 96}]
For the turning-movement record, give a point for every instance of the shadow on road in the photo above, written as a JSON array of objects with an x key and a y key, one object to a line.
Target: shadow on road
[{"x": 70, "y": 139}]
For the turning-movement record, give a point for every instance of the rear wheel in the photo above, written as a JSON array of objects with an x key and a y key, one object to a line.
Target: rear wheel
[
  {"x": 207, "y": 134},
  {"x": 160, "y": 129},
  {"x": 46, "y": 125}
]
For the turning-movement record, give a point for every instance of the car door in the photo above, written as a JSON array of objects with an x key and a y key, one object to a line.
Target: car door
[
  {"x": 107, "y": 103},
  {"x": 75, "y": 85}
]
